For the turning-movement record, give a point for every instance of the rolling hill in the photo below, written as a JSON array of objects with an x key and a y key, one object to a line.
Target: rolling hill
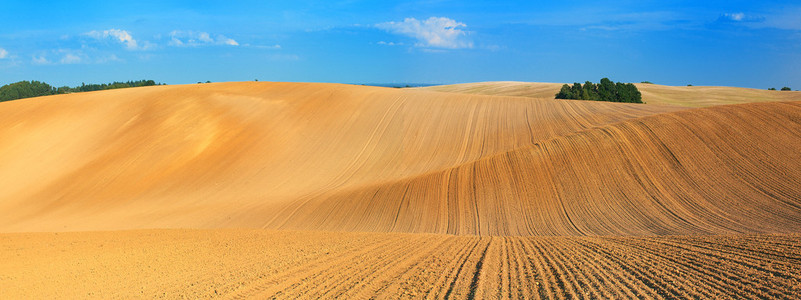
[
  {"x": 337, "y": 157},
  {"x": 298, "y": 190},
  {"x": 222, "y": 155}
]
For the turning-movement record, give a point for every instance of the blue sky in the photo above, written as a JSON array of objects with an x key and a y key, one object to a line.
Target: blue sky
[{"x": 733, "y": 43}]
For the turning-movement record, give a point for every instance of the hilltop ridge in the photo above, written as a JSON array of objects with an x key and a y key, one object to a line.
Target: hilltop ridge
[{"x": 654, "y": 94}]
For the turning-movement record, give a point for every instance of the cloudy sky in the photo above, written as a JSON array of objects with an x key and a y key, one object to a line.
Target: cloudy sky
[{"x": 733, "y": 43}]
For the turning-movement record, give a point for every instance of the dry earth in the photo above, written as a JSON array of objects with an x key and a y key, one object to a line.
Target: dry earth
[
  {"x": 359, "y": 192},
  {"x": 685, "y": 96},
  {"x": 261, "y": 264}
]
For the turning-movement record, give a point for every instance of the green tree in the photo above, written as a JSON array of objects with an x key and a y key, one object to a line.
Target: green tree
[
  {"x": 25, "y": 89},
  {"x": 786, "y": 89},
  {"x": 636, "y": 95},
  {"x": 591, "y": 90},
  {"x": 564, "y": 92},
  {"x": 576, "y": 90},
  {"x": 622, "y": 93},
  {"x": 584, "y": 95},
  {"x": 64, "y": 90},
  {"x": 606, "y": 90}
]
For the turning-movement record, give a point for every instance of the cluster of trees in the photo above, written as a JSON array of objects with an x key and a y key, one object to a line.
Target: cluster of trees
[
  {"x": 28, "y": 89},
  {"x": 105, "y": 86},
  {"x": 606, "y": 90},
  {"x": 25, "y": 89},
  {"x": 783, "y": 89}
]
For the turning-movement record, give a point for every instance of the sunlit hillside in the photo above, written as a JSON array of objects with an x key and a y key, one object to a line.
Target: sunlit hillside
[{"x": 311, "y": 190}]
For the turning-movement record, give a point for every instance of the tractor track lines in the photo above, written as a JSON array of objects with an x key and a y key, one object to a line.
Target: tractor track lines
[
  {"x": 328, "y": 265},
  {"x": 365, "y": 192}
]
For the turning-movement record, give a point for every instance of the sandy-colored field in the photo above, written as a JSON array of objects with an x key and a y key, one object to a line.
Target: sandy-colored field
[
  {"x": 285, "y": 264},
  {"x": 686, "y": 96},
  {"x": 298, "y": 190},
  {"x": 501, "y": 88}
]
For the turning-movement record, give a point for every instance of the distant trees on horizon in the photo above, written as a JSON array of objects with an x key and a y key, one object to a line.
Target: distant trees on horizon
[
  {"x": 29, "y": 89},
  {"x": 606, "y": 90},
  {"x": 25, "y": 89}
]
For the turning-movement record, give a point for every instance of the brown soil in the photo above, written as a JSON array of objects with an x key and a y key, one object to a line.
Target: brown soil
[
  {"x": 653, "y": 94},
  {"x": 334, "y": 191},
  {"x": 261, "y": 264}
]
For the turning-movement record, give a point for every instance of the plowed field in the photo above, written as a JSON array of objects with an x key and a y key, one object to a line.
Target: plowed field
[
  {"x": 285, "y": 264},
  {"x": 303, "y": 190},
  {"x": 655, "y": 94}
]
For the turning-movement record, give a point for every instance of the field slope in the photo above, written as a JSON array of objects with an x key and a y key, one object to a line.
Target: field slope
[
  {"x": 349, "y": 158},
  {"x": 247, "y": 154},
  {"x": 655, "y": 94},
  {"x": 308, "y": 190}
]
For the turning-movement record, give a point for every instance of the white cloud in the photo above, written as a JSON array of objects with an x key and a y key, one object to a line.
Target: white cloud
[
  {"x": 70, "y": 58},
  {"x": 3, "y": 53},
  {"x": 435, "y": 32},
  {"x": 273, "y": 47},
  {"x": 741, "y": 18},
  {"x": 389, "y": 43},
  {"x": 39, "y": 60},
  {"x": 735, "y": 16},
  {"x": 180, "y": 38},
  {"x": 106, "y": 59},
  {"x": 204, "y": 37},
  {"x": 121, "y": 36},
  {"x": 230, "y": 42}
]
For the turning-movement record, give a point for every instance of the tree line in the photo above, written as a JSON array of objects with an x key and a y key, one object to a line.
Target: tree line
[
  {"x": 28, "y": 89},
  {"x": 606, "y": 90}
]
